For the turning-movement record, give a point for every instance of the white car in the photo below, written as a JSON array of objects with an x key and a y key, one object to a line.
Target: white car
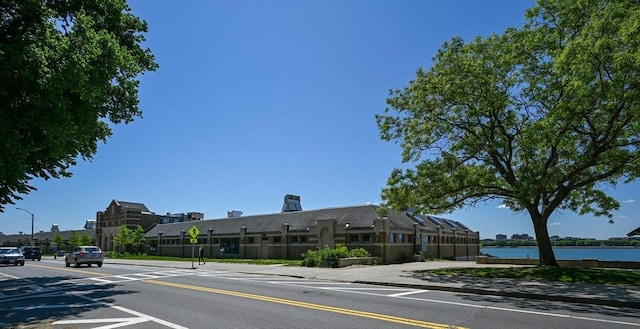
[
  {"x": 11, "y": 256},
  {"x": 84, "y": 255}
]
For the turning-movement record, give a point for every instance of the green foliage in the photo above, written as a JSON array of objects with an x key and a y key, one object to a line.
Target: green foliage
[
  {"x": 128, "y": 237},
  {"x": 85, "y": 240},
  {"x": 75, "y": 239},
  {"x": 68, "y": 69},
  {"x": 508, "y": 243},
  {"x": 359, "y": 252},
  {"x": 328, "y": 257},
  {"x": 58, "y": 241},
  {"x": 137, "y": 238},
  {"x": 544, "y": 118},
  {"x": 127, "y": 255},
  {"x": 123, "y": 238}
]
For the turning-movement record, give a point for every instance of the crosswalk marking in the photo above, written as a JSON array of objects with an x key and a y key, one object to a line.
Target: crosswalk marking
[
  {"x": 149, "y": 275},
  {"x": 224, "y": 275}
]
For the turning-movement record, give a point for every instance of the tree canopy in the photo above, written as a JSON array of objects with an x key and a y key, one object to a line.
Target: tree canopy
[
  {"x": 58, "y": 241},
  {"x": 544, "y": 117},
  {"x": 128, "y": 237},
  {"x": 68, "y": 68}
]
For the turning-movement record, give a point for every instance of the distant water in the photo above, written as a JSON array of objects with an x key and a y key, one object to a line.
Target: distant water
[{"x": 622, "y": 254}]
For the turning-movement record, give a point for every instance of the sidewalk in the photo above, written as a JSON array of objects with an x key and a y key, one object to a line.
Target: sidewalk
[{"x": 405, "y": 275}]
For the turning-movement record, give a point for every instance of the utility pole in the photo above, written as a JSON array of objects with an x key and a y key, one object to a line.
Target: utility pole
[{"x": 32, "y": 218}]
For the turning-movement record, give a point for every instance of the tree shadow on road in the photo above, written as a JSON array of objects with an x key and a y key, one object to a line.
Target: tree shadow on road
[
  {"x": 548, "y": 296},
  {"x": 40, "y": 301}
]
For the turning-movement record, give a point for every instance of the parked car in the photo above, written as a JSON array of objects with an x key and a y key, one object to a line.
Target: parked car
[
  {"x": 10, "y": 255},
  {"x": 84, "y": 255},
  {"x": 32, "y": 253}
]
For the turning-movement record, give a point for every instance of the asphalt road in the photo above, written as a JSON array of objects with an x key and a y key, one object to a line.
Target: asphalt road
[{"x": 47, "y": 295}]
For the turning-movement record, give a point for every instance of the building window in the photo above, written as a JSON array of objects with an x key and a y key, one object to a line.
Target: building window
[
  {"x": 251, "y": 240},
  {"x": 392, "y": 238},
  {"x": 400, "y": 238},
  {"x": 366, "y": 238},
  {"x": 294, "y": 239},
  {"x": 303, "y": 239},
  {"x": 277, "y": 239},
  {"x": 229, "y": 246}
]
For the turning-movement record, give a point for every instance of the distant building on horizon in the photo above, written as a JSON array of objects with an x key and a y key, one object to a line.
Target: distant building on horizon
[
  {"x": 521, "y": 237},
  {"x": 501, "y": 237}
]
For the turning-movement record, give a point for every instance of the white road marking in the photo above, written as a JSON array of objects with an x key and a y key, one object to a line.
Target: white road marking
[
  {"x": 310, "y": 282},
  {"x": 118, "y": 322},
  {"x": 101, "y": 280},
  {"x": 407, "y": 293},
  {"x": 503, "y": 309},
  {"x": 143, "y": 275},
  {"x": 85, "y": 321},
  {"x": 156, "y": 320},
  {"x": 9, "y": 276},
  {"x": 320, "y": 285}
]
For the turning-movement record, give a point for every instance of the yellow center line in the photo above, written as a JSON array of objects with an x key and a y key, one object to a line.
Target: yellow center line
[{"x": 326, "y": 308}]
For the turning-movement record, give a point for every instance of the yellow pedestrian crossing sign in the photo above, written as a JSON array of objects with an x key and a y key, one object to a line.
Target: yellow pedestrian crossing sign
[{"x": 194, "y": 232}]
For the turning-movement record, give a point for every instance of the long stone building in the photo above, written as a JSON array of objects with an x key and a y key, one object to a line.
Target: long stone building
[{"x": 392, "y": 237}]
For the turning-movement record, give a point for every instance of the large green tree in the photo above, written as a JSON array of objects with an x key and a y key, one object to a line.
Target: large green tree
[
  {"x": 123, "y": 238},
  {"x": 68, "y": 68},
  {"x": 58, "y": 241},
  {"x": 75, "y": 239},
  {"x": 128, "y": 237},
  {"x": 137, "y": 238},
  {"x": 544, "y": 117}
]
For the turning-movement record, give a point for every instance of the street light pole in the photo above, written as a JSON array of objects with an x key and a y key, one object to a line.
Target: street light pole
[{"x": 32, "y": 218}]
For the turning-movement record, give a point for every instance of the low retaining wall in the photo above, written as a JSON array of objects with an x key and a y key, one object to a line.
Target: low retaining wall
[
  {"x": 587, "y": 262},
  {"x": 343, "y": 262}
]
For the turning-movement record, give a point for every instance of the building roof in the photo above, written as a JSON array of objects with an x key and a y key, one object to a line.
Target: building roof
[
  {"x": 44, "y": 236},
  {"x": 446, "y": 225},
  {"x": 634, "y": 232},
  {"x": 135, "y": 205},
  {"x": 356, "y": 216}
]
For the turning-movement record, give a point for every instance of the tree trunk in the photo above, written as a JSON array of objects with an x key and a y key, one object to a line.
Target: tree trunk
[{"x": 547, "y": 257}]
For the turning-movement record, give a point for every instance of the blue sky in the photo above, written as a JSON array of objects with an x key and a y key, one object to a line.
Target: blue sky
[{"x": 257, "y": 99}]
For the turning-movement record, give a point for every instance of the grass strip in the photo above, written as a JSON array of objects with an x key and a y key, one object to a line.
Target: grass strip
[{"x": 548, "y": 273}]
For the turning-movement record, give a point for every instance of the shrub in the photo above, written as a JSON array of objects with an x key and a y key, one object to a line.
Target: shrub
[
  {"x": 311, "y": 258},
  {"x": 328, "y": 257},
  {"x": 359, "y": 252}
]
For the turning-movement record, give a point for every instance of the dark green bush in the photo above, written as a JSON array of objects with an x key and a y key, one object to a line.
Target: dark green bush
[{"x": 328, "y": 257}]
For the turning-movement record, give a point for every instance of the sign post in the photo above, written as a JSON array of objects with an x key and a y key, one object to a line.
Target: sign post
[{"x": 193, "y": 233}]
